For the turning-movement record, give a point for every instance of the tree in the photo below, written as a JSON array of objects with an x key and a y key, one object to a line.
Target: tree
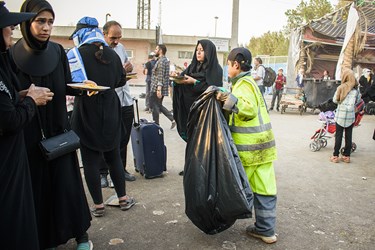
[
  {"x": 277, "y": 43},
  {"x": 305, "y": 12},
  {"x": 270, "y": 43}
]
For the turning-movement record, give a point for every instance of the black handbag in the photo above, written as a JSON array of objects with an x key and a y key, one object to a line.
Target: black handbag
[{"x": 58, "y": 145}]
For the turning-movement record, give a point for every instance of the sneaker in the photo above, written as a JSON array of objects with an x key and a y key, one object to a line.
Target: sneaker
[
  {"x": 270, "y": 109},
  {"x": 277, "y": 109},
  {"x": 127, "y": 204},
  {"x": 85, "y": 245},
  {"x": 97, "y": 211},
  {"x": 173, "y": 125},
  {"x": 129, "y": 176},
  {"x": 103, "y": 180},
  {"x": 250, "y": 230},
  {"x": 146, "y": 109}
]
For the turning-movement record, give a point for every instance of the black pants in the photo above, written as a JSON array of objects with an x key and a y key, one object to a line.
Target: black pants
[
  {"x": 348, "y": 140},
  {"x": 157, "y": 107},
  {"x": 92, "y": 162},
  {"x": 127, "y": 117},
  {"x": 276, "y": 94}
]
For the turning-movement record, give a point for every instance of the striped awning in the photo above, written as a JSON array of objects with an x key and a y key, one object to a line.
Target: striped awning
[{"x": 334, "y": 24}]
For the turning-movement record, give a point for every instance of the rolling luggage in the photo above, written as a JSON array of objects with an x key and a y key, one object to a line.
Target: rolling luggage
[{"x": 149, "y": 151}]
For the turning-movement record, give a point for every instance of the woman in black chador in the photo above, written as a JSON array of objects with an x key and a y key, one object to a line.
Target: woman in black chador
[
  {"x": 61, "y": 207},
  {"x": 18, "y": 228},
  {"x": 203, "y": 71}
]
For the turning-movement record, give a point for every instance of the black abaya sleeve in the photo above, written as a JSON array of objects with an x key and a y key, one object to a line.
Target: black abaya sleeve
[{"x": 15, "y": 117}]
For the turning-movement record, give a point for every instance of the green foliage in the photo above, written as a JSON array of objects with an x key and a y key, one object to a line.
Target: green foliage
[
  {"x": 307, "y": 11},
  {"x": 277, "y": 43},
  {"x": 270, "y": 43}
]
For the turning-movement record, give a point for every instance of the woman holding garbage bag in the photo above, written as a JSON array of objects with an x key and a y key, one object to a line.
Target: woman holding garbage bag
[
  {"x": 60, "y": 202},
  {"x": 203, "y": 71},
  {"x": 251, "y": 130}
]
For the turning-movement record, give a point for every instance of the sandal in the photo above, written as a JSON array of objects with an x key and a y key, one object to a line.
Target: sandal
[
  {"x": 97, "y": 211},
  {"x": 334, "y": 159},
  {"x": 127, "y": 204},
  {"x": 345, "y": 159}
]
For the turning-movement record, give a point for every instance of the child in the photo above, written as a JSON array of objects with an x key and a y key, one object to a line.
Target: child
[{"x": 251, "y": 131}]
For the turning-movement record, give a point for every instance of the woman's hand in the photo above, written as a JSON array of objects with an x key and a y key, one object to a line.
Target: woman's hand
[
  {"x": 188, "y": 80},
  {"x": 40, "y": 95}
]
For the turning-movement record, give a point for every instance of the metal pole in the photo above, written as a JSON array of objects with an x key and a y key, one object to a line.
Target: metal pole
[{"x": 216, "y": 17}]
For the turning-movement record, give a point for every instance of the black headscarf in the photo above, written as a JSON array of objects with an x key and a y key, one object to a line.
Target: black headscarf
[
  {"x": 35, "y": 6},
  {"x": 30, "y": 55},
  {"x": 209, "y": 71}
]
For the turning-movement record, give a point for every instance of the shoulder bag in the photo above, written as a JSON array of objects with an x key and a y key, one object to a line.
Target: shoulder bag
[{"x": 58, "y": 145}]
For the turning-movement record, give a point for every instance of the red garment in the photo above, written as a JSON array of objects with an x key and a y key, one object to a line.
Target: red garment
[{"x": 280, "y": 81}]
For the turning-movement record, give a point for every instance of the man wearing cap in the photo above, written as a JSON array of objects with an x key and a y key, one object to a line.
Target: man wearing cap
[
  {"x": 277, "y": 89},
  {"x": 252, "y": 134}
]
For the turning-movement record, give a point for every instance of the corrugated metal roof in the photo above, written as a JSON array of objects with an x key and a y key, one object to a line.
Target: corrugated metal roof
[{"x": 334, "y": 24}]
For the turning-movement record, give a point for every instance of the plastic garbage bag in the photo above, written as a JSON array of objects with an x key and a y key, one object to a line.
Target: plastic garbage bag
[{"x": 217, "y": 191}]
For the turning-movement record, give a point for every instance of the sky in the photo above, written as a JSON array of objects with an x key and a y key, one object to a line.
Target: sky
[{"x": 179, "y": 17}]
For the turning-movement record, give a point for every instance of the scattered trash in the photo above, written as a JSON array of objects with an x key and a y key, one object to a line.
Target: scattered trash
[
  {"x": 364, "y": 178},
  {"x": 229, "y": 245},
  {"x": 319, "y": 232},
  {"x": 156, "y": 212},
  {"x": 176, "y": 205},
  {"x": 116, "y": 241},
  {"x": 312, "y": 226},
  {"x": 341, "y": 241},
  {"x": 171, "y": 222},
  {"x": 144, "y": 206}
]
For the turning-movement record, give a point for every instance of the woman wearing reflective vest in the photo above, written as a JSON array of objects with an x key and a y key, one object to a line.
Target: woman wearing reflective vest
[{"x": 252, "y": 133}]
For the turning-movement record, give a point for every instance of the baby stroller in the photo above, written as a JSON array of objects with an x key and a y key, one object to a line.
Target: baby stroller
[
  {"x": 328, "y": 129},
  {"x": 325, "y": 132}
]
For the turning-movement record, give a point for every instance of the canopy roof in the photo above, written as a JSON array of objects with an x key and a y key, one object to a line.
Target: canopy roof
[{"x": 332, "y": 26}]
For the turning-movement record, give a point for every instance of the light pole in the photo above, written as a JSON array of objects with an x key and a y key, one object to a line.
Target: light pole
[
  {"x": 216, "y": 17},
  {"x": 106, "y": 17}
]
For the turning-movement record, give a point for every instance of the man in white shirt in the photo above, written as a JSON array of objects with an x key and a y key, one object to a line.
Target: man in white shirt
[
  {"x": 112, "y": 31},
  {"x": 258, "y": 73}
]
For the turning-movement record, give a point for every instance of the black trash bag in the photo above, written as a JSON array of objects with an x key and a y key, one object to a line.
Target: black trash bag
[
  {"x": 217, "y": 191},
  {"x": 328, "y": 105}
]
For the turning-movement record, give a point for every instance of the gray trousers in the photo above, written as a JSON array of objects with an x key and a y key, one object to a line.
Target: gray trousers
[{"x": 265, "y": 214}]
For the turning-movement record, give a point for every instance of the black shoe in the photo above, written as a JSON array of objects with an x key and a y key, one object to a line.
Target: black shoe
[
  {"x": 270, "y": 109},
  {"x": 277, "y": 109},
  {"x": 129, "y": 176},
  {"x": 103, "y": 180},
  {"x": 181, "y": 173}
]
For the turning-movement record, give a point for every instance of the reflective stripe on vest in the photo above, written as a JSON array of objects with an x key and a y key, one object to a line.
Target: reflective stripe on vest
[
  {"x": 254, "y": 147},
  {"x": 253, "y": 130}
]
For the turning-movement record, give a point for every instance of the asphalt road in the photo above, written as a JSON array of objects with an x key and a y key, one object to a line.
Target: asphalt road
[{"x": 321, "y": 205}]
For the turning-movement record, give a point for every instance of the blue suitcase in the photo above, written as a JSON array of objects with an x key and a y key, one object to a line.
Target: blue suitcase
[{"x": 149, "y": 151}]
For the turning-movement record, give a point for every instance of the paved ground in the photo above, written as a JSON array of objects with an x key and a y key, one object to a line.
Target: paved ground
[{"x": 321, "y": 205}]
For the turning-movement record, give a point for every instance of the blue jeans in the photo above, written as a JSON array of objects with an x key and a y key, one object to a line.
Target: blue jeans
[{"x": 265, "y": 214}]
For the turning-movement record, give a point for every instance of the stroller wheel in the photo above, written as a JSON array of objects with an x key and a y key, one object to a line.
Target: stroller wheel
[
  {"x": 314, "y": 146},
  {"x": 323, "y": 142},
  {"x": 354, "y": 147}
]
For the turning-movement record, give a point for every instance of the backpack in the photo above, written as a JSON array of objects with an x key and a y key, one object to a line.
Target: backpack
[{"x": 269, "y": 76}]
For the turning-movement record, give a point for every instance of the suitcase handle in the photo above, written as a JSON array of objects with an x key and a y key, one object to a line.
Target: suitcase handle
[{"x": 137, "y": 112}]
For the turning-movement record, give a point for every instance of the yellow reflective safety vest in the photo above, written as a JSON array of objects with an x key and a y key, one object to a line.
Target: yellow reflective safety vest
[{"x": 251, "y": 127}]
